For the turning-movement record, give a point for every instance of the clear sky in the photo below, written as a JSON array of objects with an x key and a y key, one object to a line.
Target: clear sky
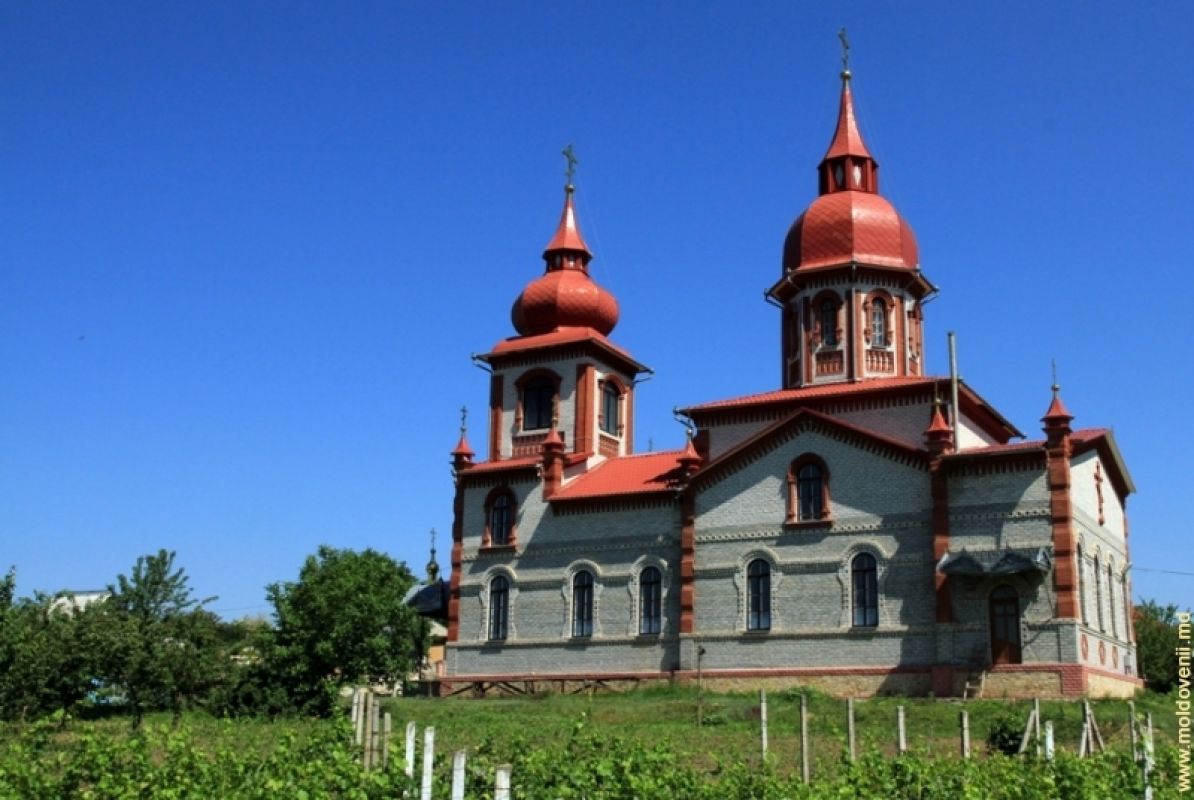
[{"x": 246, "y": 249}]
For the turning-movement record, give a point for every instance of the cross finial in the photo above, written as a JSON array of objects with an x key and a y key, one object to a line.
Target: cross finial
[
  {"x": 570, "y": 157},
  {"x": 463, "y": 420},
  {"x": 841, "y": 35},
  {"x": 1056, "y": 386}
]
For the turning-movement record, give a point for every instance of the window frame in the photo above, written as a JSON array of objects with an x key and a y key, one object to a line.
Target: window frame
[
  {"x": 758, "y": 595},
  {"x": 583, "y": 591},
  {"x": 498, "y": 624},
  {"x": 829, "y": 309},
  {"x": 500, "y": 494},
  {"x": 879, "y": 318},
  {"x": 795, "y": 516},
  {"x": 536, "y": 379},
  {"x": 650, "y": 601},
  {"x": 864, "y": 569},
  {"x": 611, "y": 393}
]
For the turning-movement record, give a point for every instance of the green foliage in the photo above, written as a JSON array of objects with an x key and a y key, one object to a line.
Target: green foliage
[
  {"x": 1156, "y": 638},
  {"x": 158, "y": 640},
  {"x": 1005, "y": 732},
  {"x": 343, "y": 621},
  {"x": 48, "y": 654}
]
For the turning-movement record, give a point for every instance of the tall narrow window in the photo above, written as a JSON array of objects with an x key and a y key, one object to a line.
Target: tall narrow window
[
  {"x": 582, "y": 604},
  {"x": 1111, "y": 602},
  {"x": 829, "y": 323},
  {"x": 758, "y": 596},
  {"x": 538, "y": 404},
  {"x": 610, "y": 402},
  {"x": 1081, "y": 586},
  {"x": 878, "y": 323},
  {"x": 1098, "y": 582},
  {"x": 865, "y": 583},
  {"x": 810, "y": 488},
  {"x": 500, "y": 519},
  {"x": 650, "y": 601},
  {"x": 499, "y": 608},
  {"x": 1126, "y": 594}
]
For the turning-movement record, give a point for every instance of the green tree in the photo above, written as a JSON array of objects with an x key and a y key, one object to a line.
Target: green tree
[
  {"x": 47, "y": 654},
  {"x": 1156, "y": 639},
  {"x": 344, "y": 621},
  {"x": 159, "y": 641}
]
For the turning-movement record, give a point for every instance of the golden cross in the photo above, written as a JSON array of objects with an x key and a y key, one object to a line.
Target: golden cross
[
  {"x": 845, "y": 50},
  {"x": 572, "y": 162}
]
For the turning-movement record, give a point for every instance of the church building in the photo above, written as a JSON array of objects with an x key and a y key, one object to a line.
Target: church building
[{"x": 864, "y": 528}]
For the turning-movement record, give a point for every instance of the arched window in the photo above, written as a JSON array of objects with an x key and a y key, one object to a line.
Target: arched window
[
  {"x": 865, "y": 582},
  {"x": 878, "y": 323},
  {"x": 1098, "y": 582},
  {"x": 499, "y": 518},
  {"x": 582, "y": 603},
  {"x": 810, "y": 489},
  {"x": 828, "y": 321},
  {"x": 650, "y": 601},
  {"x": 538, "y": 403},
  {"x": 611, "y": 418},
  {"x": 1081, "y": 586},
  {"x": 499, "y": 608},
  {"x": 1111, "y": 600},
  {"x": 1126, "y": 593},
  {"x": 758, "y": 595}
]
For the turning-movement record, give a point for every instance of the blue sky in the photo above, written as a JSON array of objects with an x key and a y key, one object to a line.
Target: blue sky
[{"x": 246, "y": 249}]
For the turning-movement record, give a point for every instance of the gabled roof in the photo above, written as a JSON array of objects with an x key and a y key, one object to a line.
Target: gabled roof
[
  {"x": 645, "y": 473},
  {"x": 761, "y": 440},
  {"x": 973, "y": 404}
]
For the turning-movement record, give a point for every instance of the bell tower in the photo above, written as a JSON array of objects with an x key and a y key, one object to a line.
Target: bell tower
[
  {"x": 851, "y": 288},
  {"x": 561, "y": 384}
]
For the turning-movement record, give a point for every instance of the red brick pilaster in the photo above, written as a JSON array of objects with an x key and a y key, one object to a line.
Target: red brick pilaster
[
  {"x": 687, "y": 560},
  {"x": 941, "y": 588},
  {"x": 1058, "y": 449},
  {"x": 583, "y": 436},
  {"x": 457, "y": 562},
  {"x": 495, "y": 417}
]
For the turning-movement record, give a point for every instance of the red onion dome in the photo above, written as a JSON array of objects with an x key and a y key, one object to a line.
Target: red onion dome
[
  {"x": 850, "y": 226},
  {"x": 564, "y": 298}
]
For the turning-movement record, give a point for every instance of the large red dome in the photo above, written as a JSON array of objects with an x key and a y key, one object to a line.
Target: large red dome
[
  {"x": 850, "y": 226},
  {"x": 564, "y": 298}
]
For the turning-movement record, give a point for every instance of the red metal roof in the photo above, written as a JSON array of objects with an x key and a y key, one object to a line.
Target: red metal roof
[
  {"x": 564, "y": 298},
  {"x": 627, "y": 475},
  {"x": 850, "y": 226},
  {"x": 809, "y": 392},
  {"x": 847, "y": 141},
  {"x": 561, "y": 336},
  {"x": 567, "y": 235}
]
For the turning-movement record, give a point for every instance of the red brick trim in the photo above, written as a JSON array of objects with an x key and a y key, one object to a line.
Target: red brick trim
[
  {"x": 583, "y": 436},
  {"x": 457, "y": 563},
  {"x": 495, "y": 417},
  {"x": 687, "y": 560},
  {"x": 1061, "y": 520},
  {"x": 939, "y": 484}
]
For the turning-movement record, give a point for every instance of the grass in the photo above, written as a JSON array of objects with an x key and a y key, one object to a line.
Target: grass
[{"x": 732, "y": 725}]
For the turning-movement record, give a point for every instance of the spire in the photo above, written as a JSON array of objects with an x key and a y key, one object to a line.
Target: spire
[
  {"x": 462, "y": 454},
  {"x": 848, "y": 164},
  {"x": 1057, "y": 419},
  {"x": 567, "y": 239},
  {"x": 939, "y": 436},
  {"x": 690, "y": 460},
  {"x": 432, "y": 565}
]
